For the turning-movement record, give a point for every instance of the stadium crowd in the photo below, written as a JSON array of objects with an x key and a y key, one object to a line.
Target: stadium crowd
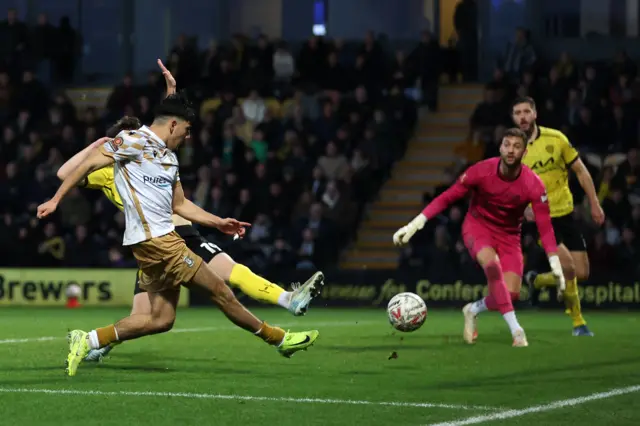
[
  {"x": 597, "y": 105},
  {"x": 295, "y": 143}
]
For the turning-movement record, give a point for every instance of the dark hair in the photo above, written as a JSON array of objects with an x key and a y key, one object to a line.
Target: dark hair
[
  {"x": 516, "y": 133},
  {"x": 125, "y": 123},
  {"x": 524, "y": 100},
  {"x": 176, "y": 105}
]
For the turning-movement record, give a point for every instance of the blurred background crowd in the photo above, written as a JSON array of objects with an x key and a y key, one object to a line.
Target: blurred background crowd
[
  {"x": 299, "y": 139},
  {"x": 295, "y": 142}
]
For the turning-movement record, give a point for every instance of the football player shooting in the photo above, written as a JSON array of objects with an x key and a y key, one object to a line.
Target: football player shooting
[
  {"x": 237, "y": 275},
  {"x": 146, "y": 175},
  {"x": 551, "y": 156},
  {"x": 501, "y": 189}
]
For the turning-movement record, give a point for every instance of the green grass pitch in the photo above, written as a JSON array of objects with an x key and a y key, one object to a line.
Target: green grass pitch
[{"x": 208, "y": 372}]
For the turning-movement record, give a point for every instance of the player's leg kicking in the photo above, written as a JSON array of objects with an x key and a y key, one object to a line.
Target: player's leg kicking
[
  {"x": 480, "y": 243},
  {"x": 297, "y": 301},
  {"x": 181, "y": 266}
]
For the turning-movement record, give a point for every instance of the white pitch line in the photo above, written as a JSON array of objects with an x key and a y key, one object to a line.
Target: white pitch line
[
  {"x": 248, "y": 398},
  {"x": 201, "y": 329},
  {"x": 509, "y": 414},
  {"x": 29, "y": 339}
]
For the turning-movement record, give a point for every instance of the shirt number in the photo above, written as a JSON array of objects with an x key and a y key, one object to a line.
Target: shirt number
[{"x": 210, "y": 247}]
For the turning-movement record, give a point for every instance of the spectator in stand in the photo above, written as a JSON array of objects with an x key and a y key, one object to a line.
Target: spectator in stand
[
  {"x": 333, "y": 164},
  {"x": 621, "y": 130},
  {"x": 567, "y": 69},
  {"x": 519, "y": 55},
  {"x": 284, "y": 68},
  {"x": 254, "y": 108},
  {"x": 465, "y": 21},
  {"x": 334, "y": 75},
  {"x": 42, "y": 39},
  {"x": 487, "y": 115},
  {"x": 601, "y": 254},
  {"x": 123, "y": 94},
  {"x": 586, "y": 133},
  {"x": 428, "y": 58},
  {"x": 15, "y": 36},
  {"x": 592, "y": 87},
  {"x": 628, "y": 175},
  {"x": 67, "y": 51},
  {"x": 311, "y": 62},
  {"x": 627, "y": 253}
]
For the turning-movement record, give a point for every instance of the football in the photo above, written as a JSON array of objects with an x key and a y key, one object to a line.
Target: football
[{"x": 407, "y": 312}]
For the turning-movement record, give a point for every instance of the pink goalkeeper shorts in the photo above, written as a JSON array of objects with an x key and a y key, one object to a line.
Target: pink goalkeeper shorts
[{"x": 477, "y": 236}]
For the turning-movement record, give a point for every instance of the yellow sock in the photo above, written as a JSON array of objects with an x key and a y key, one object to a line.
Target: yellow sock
[
  {"x": 572, "y": 302},
  {"x": 544, "y": 280},
  {"x": 255, "y": 286}
]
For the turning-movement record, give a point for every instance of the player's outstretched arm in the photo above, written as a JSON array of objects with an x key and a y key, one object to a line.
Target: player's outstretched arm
[
  {"x": 441, "y": 202},
  {"x": 72, "y": 163},
  {"x": 542, "y": 215},
  {"x": 94, "y": 161},
  {"x": 586, "y": 182},
  {"x": 188, "y": 210}
]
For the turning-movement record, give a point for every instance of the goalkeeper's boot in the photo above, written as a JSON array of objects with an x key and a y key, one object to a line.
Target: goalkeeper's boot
[
  {"x": 78, "y": 350},
  {"x": 582, "y": 330},
  {"x": 470, "y": 333},
  {"x": 294, "y": 342},
  {"x": 520, "y": 339},
  {"x": 98, "y": 355},
  {"x": 302, "y": 295}
]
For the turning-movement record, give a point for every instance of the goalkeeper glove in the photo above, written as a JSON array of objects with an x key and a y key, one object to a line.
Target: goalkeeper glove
[
  {"x": 556, "y": 270},
  {"x": 404, "y": 234}
]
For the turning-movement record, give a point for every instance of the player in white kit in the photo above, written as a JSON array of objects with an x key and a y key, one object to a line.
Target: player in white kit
[{"x": 147, "y": 179}]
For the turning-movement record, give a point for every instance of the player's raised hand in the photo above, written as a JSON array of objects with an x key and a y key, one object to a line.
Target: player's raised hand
[
  {"x": 168, "y": 78},
  {"x": 46, "y": 208},
  {"x": 597, "y": 214},
  {"x": 232, "y": 226}
]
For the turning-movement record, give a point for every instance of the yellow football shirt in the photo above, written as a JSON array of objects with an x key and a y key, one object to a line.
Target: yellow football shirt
[
  {"x": 550, "y": 156},
  {"x": 103, "y": 180}
]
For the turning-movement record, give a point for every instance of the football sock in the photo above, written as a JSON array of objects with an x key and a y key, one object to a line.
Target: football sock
[
  {"x": 101, "y": 337},
  {"x": 572, "y": 303},
  {"x": 512, "y": 321},
  {"x": 257, "y": 287},
  {"x": 546, "y": 279},
  {"x": 498, "y": 298},
  {"x": 271, "y": 335},
  {"x": 515, "y": 296},
  {"x": 478, "y": 306}
]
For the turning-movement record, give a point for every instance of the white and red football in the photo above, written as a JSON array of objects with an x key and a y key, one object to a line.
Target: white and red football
[{"x": 407, "y": 312}]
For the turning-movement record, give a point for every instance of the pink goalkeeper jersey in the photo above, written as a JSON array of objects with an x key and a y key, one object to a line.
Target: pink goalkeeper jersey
[{"x": 499, "y": 203}]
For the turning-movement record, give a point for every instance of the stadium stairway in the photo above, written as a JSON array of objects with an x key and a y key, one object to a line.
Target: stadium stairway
[{"x": 434, "y": 147}]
